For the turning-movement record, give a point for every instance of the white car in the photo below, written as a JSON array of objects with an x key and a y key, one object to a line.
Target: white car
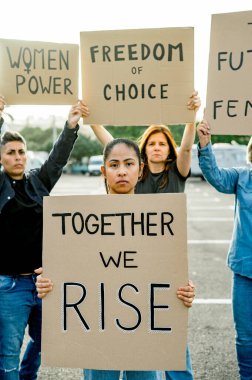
[
  {"x": 94, "y": 165},
  {"x": 227, "y": 156}
]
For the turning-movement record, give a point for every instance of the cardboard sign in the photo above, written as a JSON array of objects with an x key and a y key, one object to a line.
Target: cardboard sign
[
  {"x": 138, "y": 77},
  {"x": 229, "y": 97},
  {"x": 116, "y": 262},
  {"x": 38, "y": 72}
]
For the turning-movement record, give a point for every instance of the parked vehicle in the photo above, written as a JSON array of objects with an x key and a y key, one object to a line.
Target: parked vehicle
[
  {"x": 76, "y": 167},
  {"x": 227, "y": 156},
  {"x": 94, "y": 165},
  {"x": 35, "y": 159}
]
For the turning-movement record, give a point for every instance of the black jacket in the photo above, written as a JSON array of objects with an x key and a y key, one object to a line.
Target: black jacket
[{"x": 39, "y": 182}]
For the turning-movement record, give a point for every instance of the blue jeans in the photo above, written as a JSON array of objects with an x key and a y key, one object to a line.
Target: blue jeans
[
  {"x": 181, "y": 375},
  {"x": 20, "y": 307},
  {"x": 242, "y": 313},
  {"x": 92, "y": 374}
]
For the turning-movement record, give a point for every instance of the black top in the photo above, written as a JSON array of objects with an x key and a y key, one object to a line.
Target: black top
[
  {"x": 153, "y": 181},
  {"x": 21, "y": 204},
  {"x": 21, "y": 222}
]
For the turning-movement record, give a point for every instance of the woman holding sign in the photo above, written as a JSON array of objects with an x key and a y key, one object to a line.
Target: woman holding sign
[
  {"x": 236, "y": 181},
  {"x": 122, "y": 168},
  {"x": 165, "y": 171},
  {"x": 165, "y": 168},
  {"x": 21, "y": 220}
]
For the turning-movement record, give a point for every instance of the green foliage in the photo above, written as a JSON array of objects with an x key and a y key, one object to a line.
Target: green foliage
[
  {"x": 38, "y": 138},
  {"x": 42, "y": 139},
  {"x": 129, "y": 132},
  {"x": 85, "y": 147}
]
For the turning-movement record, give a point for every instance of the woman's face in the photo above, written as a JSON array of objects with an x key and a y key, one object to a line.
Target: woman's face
[
  {"x": 13, "y": 159},
  {"x": 157, "y": 148},
  {"x": 121, "y": 170}
]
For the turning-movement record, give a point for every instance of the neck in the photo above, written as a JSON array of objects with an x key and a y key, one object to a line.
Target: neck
[
  {"x": 156, "y": 167},
  {"x": 16, "y": 177}
]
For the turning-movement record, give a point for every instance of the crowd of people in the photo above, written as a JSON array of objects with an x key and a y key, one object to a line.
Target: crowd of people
[{"x": 153, "y": 164}]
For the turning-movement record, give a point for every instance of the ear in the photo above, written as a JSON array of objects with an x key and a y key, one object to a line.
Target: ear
[
  {"x": 103, "y": 171},
  {"x": 141, "y": 170}
]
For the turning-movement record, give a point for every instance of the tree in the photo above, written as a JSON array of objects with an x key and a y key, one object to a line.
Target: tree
[
  {"x": 42, "y": 139},
  {"x": 39, "y": 139}
]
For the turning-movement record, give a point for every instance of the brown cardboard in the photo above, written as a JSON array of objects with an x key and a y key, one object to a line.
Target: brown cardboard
[
  {"x": 38, "y": 72},
  {"x": 146, "y": 258},
  {"x": 229, "y": 98},
  {"x": 137, "y": 63}
]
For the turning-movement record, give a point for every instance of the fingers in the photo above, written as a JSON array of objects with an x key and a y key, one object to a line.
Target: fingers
[
  {"x": 204, "y": 127},
  {"x": 186, "y": 299},
  {"x": 194, "y": 102},
  {"x": 2, "y": 103},
  {"x": 43, "y": 286},
  {"x": 38, "y": 270},
  {"x": 187, "y": 294},
  {"x": 80, "y": 108}
]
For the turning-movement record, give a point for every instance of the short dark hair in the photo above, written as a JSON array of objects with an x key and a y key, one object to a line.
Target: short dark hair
[{"x": 9, "y": 136}]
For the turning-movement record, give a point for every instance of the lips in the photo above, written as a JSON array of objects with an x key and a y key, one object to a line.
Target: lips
[{"x": 121, "y": 182}]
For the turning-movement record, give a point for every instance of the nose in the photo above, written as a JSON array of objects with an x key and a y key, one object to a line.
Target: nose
[
  {"x": 18, "y": 156},
  {"x": 122, "y": 170}
]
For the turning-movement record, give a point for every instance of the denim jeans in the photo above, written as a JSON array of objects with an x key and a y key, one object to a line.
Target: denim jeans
[
  {"x": 242, "y": 313},
  {"x": 20, "y": 307},
  {"x": 91, "y": 374},
  {"x": 182, "y": 375}
]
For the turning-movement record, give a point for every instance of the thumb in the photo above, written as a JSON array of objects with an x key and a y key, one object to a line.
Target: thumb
[{"x": 38, "y": 270}]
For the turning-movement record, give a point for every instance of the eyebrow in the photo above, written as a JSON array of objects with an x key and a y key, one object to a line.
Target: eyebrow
[{"x": 126, "y": 159}]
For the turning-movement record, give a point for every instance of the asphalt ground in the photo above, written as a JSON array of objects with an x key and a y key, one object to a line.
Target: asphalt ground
[{"x": 211, "y": 335}]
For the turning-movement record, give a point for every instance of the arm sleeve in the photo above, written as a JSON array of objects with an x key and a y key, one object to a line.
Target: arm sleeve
[{"x": 222, "y": 179}]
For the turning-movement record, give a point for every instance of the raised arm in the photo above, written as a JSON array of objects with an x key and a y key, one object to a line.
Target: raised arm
[
  {"x": 185, "y": 151},
  {"x": 223, "y": 179},
  {"x": 102, "y": 134},
  {"x": 204, "y": 134},
  {"x": 78, "y": 110},
  {"x": 2, "y": 104}
]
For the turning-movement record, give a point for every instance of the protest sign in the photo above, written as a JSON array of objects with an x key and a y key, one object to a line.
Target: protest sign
[
  {"x": 138, "y": 77},
  {"x": 229, "y": 99},
  {"x": 116, "y": 262},
  {"x": 38, "y": 72}
]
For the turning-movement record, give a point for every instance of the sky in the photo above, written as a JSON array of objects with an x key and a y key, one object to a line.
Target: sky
[{"x": 62, "y": 21}]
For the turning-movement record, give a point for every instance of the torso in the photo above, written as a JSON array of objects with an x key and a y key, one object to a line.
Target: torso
[{"x": 151, "y": 184}]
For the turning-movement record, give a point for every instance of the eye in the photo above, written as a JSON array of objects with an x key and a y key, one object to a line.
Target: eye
[{"x": 113, "y": 165}]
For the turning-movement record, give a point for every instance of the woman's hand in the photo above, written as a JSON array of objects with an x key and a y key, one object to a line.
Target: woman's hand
[
  {"x": 194, "y": 102},
  {"x": 43, "y": 285},
  {"x": 77, "y": 111},
  {"x": 2, "y": 104},
  {"x": 187, "y": 294},
  {"x": 204, "y": 134}
]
